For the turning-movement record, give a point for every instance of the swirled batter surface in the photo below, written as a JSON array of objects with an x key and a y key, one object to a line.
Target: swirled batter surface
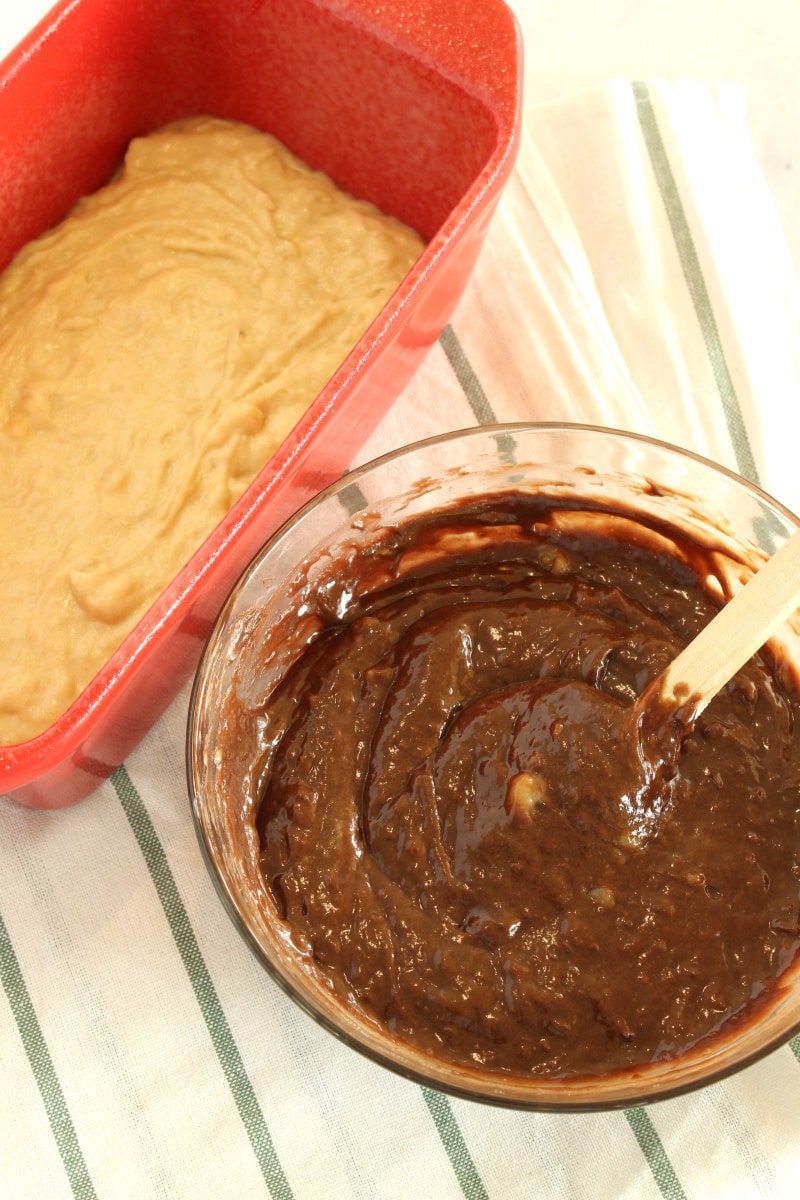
[
  {"x": 155, "y": 350},
  {"x": 446, "y": 815}
]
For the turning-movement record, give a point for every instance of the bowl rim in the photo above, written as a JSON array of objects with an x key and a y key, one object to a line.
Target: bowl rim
[{"x": 634, "y": 1097}]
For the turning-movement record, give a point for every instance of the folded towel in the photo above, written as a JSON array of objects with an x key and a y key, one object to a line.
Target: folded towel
[{"x": 635, "y": 276}]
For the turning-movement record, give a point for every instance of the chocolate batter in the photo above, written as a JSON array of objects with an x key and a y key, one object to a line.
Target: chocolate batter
[{"x": 463, "y": 826}]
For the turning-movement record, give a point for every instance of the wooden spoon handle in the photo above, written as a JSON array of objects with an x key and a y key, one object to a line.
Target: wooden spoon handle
[{"x": 741, "y": 628}]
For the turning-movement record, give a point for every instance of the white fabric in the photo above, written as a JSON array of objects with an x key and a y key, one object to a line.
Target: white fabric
[{"x": 143, "y": 1052}]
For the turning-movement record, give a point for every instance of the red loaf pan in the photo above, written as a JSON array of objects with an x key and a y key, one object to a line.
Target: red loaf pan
[{"x": 410, "y": 104}]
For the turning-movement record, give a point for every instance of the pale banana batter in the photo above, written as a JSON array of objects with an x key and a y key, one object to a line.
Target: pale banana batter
[{"x": 155, "y": 349}]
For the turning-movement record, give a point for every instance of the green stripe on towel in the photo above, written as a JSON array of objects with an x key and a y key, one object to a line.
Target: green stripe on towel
[
  {"x": 473, "y": 390},
  {"x": 41, "y": 1064},
  {"x": 471, "y": 386},
  {"x": 653, "y": 1149},
  {"x": 693, "y": 274},
  {"x": 216, "y": 1022},
  {"x": 452, "y": 1139}
]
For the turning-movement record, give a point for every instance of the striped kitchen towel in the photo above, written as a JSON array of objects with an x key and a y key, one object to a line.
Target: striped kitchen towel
[{"x": 635, "y": 276}]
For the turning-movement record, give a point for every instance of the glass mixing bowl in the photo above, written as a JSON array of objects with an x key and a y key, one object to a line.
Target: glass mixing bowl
[{"x": 638, "y": 473}]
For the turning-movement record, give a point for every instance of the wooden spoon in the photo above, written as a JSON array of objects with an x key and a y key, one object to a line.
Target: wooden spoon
[{"x": 741, "y": 628}]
